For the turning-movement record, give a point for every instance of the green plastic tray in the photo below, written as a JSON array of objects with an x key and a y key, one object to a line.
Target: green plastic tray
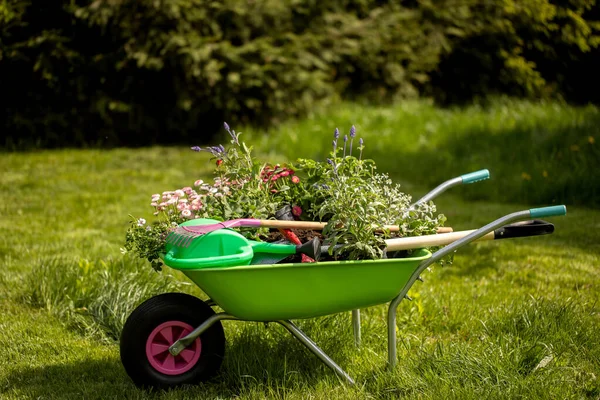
[{"x": 304, "y": 290}]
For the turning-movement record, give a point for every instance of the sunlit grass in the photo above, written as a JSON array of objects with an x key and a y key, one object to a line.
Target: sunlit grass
[{"x": 514, "y": 318}]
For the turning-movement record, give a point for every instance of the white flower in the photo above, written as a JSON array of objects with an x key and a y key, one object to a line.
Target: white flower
[
  {"x": 141, "y": 222},
  {"x": 198, "y": 182},
  {"x": 186, "y": 213}
]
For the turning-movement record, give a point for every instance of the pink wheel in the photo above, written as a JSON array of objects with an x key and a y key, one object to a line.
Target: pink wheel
[
  {"x": 159, "y": 341},
  {"x": 154, "y": 326}
]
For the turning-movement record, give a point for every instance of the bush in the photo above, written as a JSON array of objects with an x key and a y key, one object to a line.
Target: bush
[
  {"x": 534, "y": 48},
  {"x": 127, "y": 72}
]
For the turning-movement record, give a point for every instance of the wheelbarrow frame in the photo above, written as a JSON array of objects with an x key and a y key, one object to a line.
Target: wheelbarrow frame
[{"x": 182, "y": 343}]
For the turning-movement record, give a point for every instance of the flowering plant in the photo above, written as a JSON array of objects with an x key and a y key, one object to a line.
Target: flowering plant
[{"x": 346, "y": 191}]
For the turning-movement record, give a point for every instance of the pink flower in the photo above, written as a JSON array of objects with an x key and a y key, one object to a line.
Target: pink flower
[
  {"x": 182, "y": 206},
  {"x": 183, "y": 200},
  {"x": 295, "y": 179},
  {"x": 186, "y": 213},
  {"x": 187, "y": 189},
  {"x": 155, "y": 197},
  {"x": 154, "y": 204},
  {"x": 198, "y": 182},
  {"x": 179, "y": 193}
]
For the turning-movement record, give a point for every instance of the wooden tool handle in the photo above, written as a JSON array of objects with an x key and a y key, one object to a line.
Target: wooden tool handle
[
  {"x": 317, "y": 226},
  {"x": 415, "y": 242},
  {"x": 271, "y": 223}
]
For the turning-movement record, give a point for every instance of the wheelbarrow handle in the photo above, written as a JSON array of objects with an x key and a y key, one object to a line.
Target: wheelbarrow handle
[
  {"x": 552, "y": 211},
  {"x": 500, "y": 222},
  {"x": 471, "y": 177},
  {"x": 519, "y": 229}
]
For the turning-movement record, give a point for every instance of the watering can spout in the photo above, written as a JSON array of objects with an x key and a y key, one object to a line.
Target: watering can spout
[{"x": 312, "y": 248}]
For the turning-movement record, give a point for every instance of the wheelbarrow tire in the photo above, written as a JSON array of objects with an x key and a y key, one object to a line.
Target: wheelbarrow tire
[{"x": 157, "y": 323}]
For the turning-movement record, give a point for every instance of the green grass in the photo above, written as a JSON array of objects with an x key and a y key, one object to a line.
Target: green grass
[
  {"x": 537, "y": 153},
  {"x": 514, "y": 318}
]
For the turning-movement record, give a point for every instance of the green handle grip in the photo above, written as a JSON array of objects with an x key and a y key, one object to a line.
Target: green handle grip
[
  {"x": 475, "y": 176},
  {"x": 553, "y": 211}
]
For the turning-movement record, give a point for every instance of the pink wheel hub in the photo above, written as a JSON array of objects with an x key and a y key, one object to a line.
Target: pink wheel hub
[{"x": 159, "y": 341}]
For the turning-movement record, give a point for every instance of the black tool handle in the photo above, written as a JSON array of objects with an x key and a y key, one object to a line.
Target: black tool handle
[{"x": 534, "y": 227}]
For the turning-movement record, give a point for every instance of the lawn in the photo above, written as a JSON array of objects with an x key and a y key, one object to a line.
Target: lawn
[{"x": 514, "y": 318}]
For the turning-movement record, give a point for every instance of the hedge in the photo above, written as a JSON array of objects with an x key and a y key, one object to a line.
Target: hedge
[{"x": 140, "y": 72}]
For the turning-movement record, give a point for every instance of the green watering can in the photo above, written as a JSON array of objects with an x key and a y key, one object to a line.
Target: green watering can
[{"x": 223, "y": 248}]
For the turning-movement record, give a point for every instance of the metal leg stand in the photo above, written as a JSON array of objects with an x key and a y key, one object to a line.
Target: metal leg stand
[
  {"x": 392, "y": 356},
  {"x": 182, "y": 343},
  {"x": 301, "y": 336},
  {"x": 356, "y": 326}
]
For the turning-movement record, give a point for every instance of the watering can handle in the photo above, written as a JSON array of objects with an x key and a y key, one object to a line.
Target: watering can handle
[{"x": 241, "y": 258}]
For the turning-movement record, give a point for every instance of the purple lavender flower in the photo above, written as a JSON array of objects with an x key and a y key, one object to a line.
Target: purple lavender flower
[
  {"x": 352, "y": 134},
  {"x": 214, "y": 150},
  {"x": 329, "y": 161},
  {"x": 336, "y": 134},
  {"x": 334, "y": 146},
  {"x": 231, "y": 133}
]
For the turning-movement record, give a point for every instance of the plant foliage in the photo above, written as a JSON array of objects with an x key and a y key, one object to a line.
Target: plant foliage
[{"x": 345, "y": 191}]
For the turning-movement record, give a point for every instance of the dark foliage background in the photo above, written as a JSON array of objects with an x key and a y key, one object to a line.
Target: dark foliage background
[{"x": 140, "y": 72}]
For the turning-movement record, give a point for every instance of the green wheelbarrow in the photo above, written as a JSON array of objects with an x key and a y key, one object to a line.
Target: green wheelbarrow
[{"x": 174, "y": 339}]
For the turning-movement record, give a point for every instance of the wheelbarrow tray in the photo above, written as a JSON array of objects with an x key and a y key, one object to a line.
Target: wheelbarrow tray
[{"x": 304, "y": 290}]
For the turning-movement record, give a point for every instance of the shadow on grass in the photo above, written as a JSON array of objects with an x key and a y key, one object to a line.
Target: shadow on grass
[
  {"x": 82, "y": 379},
  {"x": 254, "y": 363}
]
